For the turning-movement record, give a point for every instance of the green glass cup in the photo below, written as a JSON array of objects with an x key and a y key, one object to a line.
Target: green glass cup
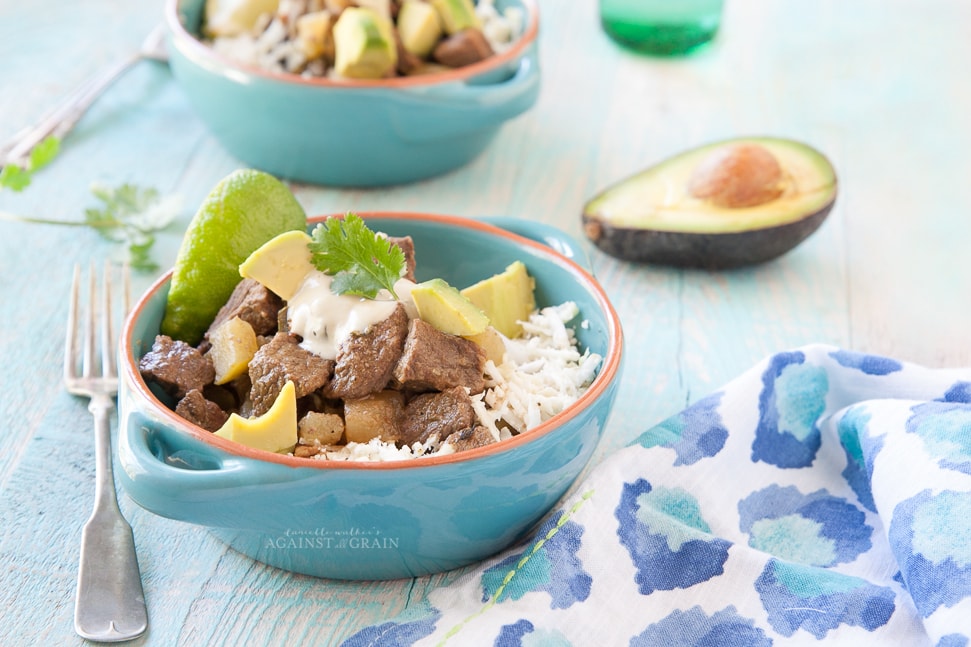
[{"x": 661, "y": 27}]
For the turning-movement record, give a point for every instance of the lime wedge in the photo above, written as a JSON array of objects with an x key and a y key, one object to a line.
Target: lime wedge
[{"x": 246, "y": 209}]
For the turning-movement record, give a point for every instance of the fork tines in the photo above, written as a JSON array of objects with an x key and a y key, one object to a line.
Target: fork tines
[{"x": 94, "y": 325}]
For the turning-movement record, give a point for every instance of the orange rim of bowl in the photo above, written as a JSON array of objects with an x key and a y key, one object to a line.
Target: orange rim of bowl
[
  {"x": 609, "y": 368},
  {"x": 198, "y": 49}
]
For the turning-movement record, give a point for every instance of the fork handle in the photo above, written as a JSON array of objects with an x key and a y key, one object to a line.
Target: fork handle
[
  {"x": 61, "y": 119},
  {"x": 110, "y": 603}
]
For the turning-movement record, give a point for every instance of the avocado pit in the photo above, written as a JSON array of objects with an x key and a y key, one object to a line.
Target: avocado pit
[{"x": 738, "y": 176}]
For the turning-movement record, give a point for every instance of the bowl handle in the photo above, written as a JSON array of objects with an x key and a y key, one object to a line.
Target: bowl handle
[
  {"x": 559, "y": 241},
  {"x": 457, "y": 108},
  {"x": 175, "y": 475}
]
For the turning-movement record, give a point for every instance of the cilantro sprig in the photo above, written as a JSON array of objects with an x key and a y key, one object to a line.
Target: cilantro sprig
[
  {"x": 361, "y": 261},
  {"x": 128, "y": 215}
]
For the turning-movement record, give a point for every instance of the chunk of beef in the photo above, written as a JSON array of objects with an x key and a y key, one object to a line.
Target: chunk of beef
[
  {"x": 317, "y": 402},
  {"x": 408, "y": 63},
  {"x": 231, "y": 395},
  {"x": 463, "y": 48},
  {"x": 407, "y": 246},
  {"x": 436, "y": 361},
  {"x": 282, "y": 360},
  {"x": 176, "y": 366},
  {"x": 252, "y": 303},
  {"x": 478, "y": 436},
  {"x": 195, "y": 408},
  {"x": 438, "y": 414},
  {"x": 366, "y": 360}
]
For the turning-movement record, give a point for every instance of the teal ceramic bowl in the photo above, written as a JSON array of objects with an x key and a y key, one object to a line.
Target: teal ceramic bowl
[
  {"x": 346, "y": 132},
  {"x": 379, "y": 520}
]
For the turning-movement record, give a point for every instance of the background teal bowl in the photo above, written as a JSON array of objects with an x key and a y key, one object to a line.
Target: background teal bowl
[
  {"x": 352, "y": 133},
  {"x": 379, "y": 520}
]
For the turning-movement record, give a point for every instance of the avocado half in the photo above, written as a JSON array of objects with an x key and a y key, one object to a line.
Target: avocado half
[{"x": 724, "y": 205}]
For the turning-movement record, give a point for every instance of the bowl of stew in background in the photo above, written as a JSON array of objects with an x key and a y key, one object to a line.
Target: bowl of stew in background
[
  {"x": 353, "y": 132},
  {"x": 380, "y": 520}
]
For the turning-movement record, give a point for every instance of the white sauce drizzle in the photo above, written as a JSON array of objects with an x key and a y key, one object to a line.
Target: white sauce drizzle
[{"x": 325, "y": 319}]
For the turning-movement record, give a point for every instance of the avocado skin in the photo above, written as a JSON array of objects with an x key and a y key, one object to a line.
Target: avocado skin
[{"x": 723, "y": 251}]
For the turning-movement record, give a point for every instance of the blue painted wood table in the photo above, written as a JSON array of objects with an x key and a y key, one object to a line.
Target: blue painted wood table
[{"x": 880, "y": 86}]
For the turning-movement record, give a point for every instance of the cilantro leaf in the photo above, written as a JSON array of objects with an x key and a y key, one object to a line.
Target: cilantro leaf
[
  {"x": 139, "y": 255},
  {"x": 18, "y": 178},
  {"x": 130, "y": 215},
  {"x": 14, "y": 178},
  {"x": 43, "y": 154},
  {"x": 361, "y": 261},
  {"x": 119, "y": 219}
]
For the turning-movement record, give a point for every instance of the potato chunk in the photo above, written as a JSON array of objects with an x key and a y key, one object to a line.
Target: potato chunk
[
  {"x": 315, "y": 35},
  {"x": 374, "y": 416},
  {"x": 233, "y": 346},
  {"x": 323, "y": 428},
  {"x": 491, "y": 342}
]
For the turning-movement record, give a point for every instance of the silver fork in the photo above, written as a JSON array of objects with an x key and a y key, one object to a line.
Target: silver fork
[
  {"x": 110, "y": 604},
  {"x": 59, "y": 121}
]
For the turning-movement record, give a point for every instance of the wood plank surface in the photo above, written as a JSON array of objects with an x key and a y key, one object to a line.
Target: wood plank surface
[{"x": 880, "y": 86}]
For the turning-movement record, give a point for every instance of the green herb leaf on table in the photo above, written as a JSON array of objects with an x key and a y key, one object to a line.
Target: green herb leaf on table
[
  {"x": 131, "y": 215},
  {"x": 361, "y": 261},
  {"x": 43, "y": 154},
  {"x": 15, "y": 178}
]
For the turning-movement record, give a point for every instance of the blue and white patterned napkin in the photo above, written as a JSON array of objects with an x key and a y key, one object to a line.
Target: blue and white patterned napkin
[{"x": 823, "y": 495}]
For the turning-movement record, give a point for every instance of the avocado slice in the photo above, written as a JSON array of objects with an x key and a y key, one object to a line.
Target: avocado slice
[
  {"x": 506, "y": 298},
  {"x": 228, "y": 18},
  {"x": 457, "y": 15},
  {"x": 447, "y": 309},
  {"x": 724, "y": 205},
  {"x": 364, "y": 44},
  {"x": 419, "y": 27},
  {"x": 280, "y": 264},
  {"x": 274, "y": 431}
]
